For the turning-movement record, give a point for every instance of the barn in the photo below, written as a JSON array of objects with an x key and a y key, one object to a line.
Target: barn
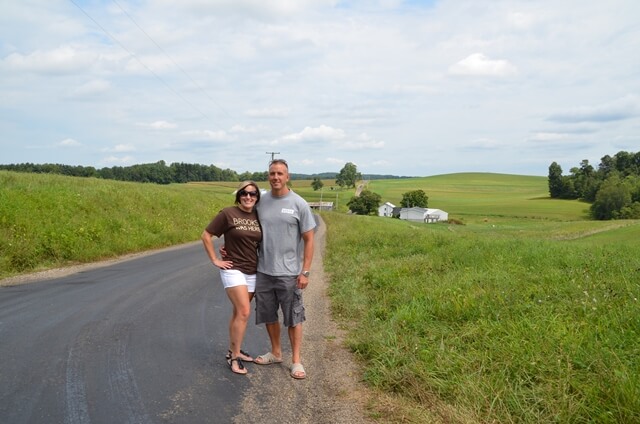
[{"x": 423, "y": 215}]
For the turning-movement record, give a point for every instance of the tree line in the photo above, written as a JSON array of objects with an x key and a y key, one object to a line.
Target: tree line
[
  {"x": 159, "y": 172},
  {"x": 613, "y": 189}
]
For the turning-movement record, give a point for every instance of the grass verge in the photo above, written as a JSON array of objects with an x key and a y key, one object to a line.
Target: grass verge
[{"x": 507, "y": 326}]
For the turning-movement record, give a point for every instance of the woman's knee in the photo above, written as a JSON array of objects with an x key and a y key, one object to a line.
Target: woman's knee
[{"x": 242, "y": 313}]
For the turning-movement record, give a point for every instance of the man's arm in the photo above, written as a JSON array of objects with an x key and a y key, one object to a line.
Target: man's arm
[{"x": 307, "y": 238}]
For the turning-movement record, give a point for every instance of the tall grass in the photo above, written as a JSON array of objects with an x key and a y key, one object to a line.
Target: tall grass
[
  {"x": 52, "y": 220},
  {"x": 532, "y": 328}
]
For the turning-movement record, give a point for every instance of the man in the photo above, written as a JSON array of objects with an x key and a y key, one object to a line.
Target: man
[{"x": 284, "y": 262}]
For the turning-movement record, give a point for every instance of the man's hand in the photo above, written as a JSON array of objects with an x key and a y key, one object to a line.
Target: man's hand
[{"x": 303, "y": 281}]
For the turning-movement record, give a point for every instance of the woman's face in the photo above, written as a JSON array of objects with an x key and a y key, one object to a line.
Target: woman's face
[{"x": 248, "y": 197}]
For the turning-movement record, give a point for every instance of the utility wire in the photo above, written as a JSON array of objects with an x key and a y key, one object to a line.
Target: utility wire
[
  {"x": 172, "y": 61},
  {"x": 140, "y": 62}
]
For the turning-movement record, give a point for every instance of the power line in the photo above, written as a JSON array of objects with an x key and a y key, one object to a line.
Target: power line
[
  {"x": 172, "y": 61},
  {"x": 139, "y": 61}
]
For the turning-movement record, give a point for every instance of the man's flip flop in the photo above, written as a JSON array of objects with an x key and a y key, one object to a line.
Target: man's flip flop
[
  {"x": 267, "y": 359},
  {"x": 297, "y": 372}
]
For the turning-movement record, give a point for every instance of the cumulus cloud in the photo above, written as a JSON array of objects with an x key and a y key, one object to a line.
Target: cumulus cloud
[
  {"x": 120, "y": 148},
  {"x": 115, "y": 160},
  {"x": 63, "y": 59},
  {"x": 335, "y": 161},
  {"x": 69, "y": 142},
  {"x": 478, "y": 64},
  {"x": 159, "y": 125},
  {"x": 322, "y": 133},
  {"x": 617, "y": 110}
]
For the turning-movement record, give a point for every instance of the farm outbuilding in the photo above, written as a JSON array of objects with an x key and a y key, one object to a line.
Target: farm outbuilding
[
  {"x": 321, "y": 206},
  {"x": 423, "y": 215},
  {"x": 386, "y": 209}
]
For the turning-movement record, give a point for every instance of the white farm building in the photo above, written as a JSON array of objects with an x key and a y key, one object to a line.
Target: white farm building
[
  {"x": 386, "y": 209},
  {"x": 423, "y": 215}
]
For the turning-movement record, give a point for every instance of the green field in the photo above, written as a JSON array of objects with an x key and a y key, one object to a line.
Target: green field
[{"x": 527, "y": 313}]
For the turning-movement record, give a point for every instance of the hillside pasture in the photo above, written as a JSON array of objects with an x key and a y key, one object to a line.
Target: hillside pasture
[{"x": 476, "y": 196}]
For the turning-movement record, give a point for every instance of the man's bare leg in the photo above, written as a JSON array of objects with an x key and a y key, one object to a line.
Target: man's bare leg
[{"x": 273, "y": 330}]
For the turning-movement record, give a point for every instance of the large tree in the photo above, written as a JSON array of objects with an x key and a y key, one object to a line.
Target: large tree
[
  {"x": 317, "y": 184},
  {"x": 365, "y": 204},
  {"x": 610, "y": 199},
  {"x": 348, "y": 175},
  {"x": 414, "y": 198}
]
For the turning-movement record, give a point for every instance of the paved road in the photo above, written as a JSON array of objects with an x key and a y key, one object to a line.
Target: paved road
[{"x": 140, "y": 341}]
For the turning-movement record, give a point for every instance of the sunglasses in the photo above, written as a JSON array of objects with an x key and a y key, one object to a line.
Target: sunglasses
[{"x": 250, "y": 193}]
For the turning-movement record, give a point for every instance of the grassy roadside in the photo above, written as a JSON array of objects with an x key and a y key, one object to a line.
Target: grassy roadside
[
  {"x": 48, "y": 221},
  {"x": 511, "y": 320}
]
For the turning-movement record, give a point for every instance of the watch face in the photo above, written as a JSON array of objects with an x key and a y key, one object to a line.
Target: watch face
[{"x": 305, "y": 273}]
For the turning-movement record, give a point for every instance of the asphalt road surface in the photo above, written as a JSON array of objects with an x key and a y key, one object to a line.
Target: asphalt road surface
[{"x": 138, "y": 341}]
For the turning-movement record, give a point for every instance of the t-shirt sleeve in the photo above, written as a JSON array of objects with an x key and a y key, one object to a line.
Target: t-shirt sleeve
[
  {"x": 307, "y": 221},
  {"x": 218, "y": 226}
]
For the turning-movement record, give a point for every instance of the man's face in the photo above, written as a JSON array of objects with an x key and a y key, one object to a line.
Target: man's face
[{"x": 278, "y": 176}]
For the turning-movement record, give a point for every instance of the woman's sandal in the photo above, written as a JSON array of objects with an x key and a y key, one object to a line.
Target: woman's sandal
[
  {"x": 241, "y": 369},
  {"x": 243, "y": 355}
]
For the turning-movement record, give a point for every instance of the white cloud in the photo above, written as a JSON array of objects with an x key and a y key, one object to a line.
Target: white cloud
[
  {"x": 159, "y": 125},
  {"x": 115, "y": 160},
  {"x": 60, "y": 60},
  {"x": 120, "y": 148},
  {"x": 335, "y": 161},
  {"x": 322, "y": 133},
  {"x": 69, "y": 142},
  {"x": 478, "y": 64}
]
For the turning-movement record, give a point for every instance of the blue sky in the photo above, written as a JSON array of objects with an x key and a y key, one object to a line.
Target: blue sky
[{"x": 413, "y": 88}]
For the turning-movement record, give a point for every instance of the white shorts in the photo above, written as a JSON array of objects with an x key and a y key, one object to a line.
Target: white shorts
[{"x": 233, "y": 278}]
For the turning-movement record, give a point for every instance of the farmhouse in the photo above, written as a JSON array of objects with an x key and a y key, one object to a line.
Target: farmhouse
[
  {"x": 423, "y": 215},
  {"x": 386, "y": 209}
]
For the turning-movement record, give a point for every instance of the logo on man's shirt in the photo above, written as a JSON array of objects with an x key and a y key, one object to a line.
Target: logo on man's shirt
[{"x": 288, "y": 211}]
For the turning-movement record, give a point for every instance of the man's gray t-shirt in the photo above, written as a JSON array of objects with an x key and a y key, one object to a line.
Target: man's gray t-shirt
[{"x": 283, "y": 220}]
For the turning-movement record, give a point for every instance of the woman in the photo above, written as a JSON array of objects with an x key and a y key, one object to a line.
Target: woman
[{"x": 241, "y": 230}]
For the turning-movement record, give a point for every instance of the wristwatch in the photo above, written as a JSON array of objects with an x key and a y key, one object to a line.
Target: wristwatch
[{"x": 305, "y": 273}]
